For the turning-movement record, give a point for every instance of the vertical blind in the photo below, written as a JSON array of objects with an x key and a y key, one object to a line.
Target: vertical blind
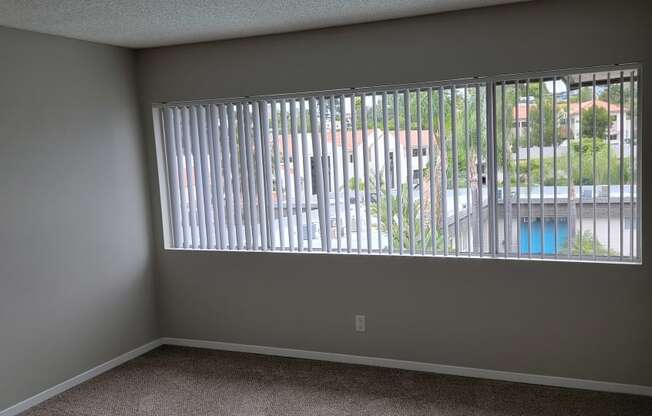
[{"x": 535, "y": 166}]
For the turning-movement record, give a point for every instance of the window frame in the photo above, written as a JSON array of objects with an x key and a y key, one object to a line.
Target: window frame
[{"x": 488, "y": 167}]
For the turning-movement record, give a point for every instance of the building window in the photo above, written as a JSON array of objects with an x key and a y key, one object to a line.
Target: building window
[
  {"x": 416, "y": 177},
  {"x": 424, "y": 152},
  {"x": 487, "y": 189}
]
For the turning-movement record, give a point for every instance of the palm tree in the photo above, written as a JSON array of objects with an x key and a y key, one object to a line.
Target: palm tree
[{"x": 403, "y": 240}]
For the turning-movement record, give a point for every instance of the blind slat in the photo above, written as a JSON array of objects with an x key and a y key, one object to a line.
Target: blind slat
[
  {"x": 479, "y": 177},
  {"x": 365, "y": 167},
  {"x": 183, "y": 178},
  {"x": 621, "y": 164},
  {"x": 528, "y": 174},
  {"x": 399, "y": 172},
  {"x": 216, "y": 157},
  {"x": 455, "y": 168},
  {"x": 345, "y": 171},
  {"x": 444, "y": 176},
  {"x": 192, "y": 193},
  {"x": 199, "y": 177},
  {"x": 517, "y": 176},
  {"x": 207, "y": 194},
  {"x": 267, "y": 171},
  {"x": 356, "y": 178},
  {"x": 260, "y": 187},
  {"x": 229, "y": 205},
  {"x": 287, "y": 182},
  {"x": 325, "y": 168},
  {"x": 173, "y": 175},
  {"x": 235, "y": 176},
  {"x": 432, "y": 157},
  {"x": 388, "y": 175},
  {"x": 410, "y": 175},
  {"x": 467, "y": 173},
  {"x": 317, "y": 157},
  {"x": 336, "y": 171},
  {"x": 422, "y": 241},
  {"x": 243, "y": 153},
  {"x": 632, "y": 164},
  {"x": 307, "y": 175},
  {"x": 296, "y": 168},
  {"x": 251, "y": 175},
  {"x": 377, "y": 187},
  {"x": 277, "y": 177}
]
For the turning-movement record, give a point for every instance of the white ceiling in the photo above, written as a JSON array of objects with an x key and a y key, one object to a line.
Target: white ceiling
[{"x": 147, "y": 23}]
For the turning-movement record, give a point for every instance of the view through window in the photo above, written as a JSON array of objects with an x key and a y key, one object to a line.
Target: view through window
[{"x": 536, "y": 166}]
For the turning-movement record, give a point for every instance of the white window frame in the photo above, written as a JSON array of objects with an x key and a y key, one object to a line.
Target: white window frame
[{"x": 488, "y": 166}]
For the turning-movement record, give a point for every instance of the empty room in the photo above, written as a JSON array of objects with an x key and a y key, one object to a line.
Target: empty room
[{"x": 260, "y": 208}]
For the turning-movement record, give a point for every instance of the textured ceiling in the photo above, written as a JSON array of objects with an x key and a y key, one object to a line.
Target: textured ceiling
[{"x": 147, "y": 23}]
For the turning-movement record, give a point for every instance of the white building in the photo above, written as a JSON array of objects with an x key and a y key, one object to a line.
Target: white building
[
  {"x": 613, "y": 109},
  {"x": 348, "y": 148},
  {"x": 614, "y": 113}
]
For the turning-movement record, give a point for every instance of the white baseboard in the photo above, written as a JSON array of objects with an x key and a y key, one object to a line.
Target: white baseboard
[
  {"x": 333, "y": 357},
  {"x": 78, "y": 379},
  {"x": 418, "y": 366}
]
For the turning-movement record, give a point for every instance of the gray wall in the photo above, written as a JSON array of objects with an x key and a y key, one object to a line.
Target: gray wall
[
  {"x": 590, "y": 321},
  {"x": 76, "y": 285}
]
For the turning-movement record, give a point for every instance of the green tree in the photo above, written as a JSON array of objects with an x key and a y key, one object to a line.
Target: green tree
[
  {"x": 380, "y": 209},
  {"x": 535, "y": 125},
  {"x": 607, "y": 163},
  {"x": 585, "y": 247},
  {"x": 613, "y": 93},
  {"x": 601, "y": 122}
]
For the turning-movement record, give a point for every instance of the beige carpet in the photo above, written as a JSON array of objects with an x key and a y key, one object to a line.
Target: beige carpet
[{"x": 188, "y": 381}]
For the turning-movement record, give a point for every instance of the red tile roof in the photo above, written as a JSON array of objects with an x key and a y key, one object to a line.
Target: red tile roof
[
  {"x": 598, "y": 103},
  {"x": 522, "y": 110}
]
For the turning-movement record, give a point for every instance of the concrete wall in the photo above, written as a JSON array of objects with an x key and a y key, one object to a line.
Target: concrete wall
[
  {"x": 588, "y": 321},
  {"x": 76, "y": 285}
]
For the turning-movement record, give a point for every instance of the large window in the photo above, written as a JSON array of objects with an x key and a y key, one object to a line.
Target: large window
[{"x": 535, "y": 166}]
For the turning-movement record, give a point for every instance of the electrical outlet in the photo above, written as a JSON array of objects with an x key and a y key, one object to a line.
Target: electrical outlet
[{"x": 360, "y": 323}]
